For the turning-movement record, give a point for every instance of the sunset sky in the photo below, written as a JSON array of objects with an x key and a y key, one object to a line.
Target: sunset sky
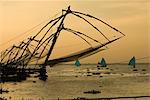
[{"x": 132, "y": 17}]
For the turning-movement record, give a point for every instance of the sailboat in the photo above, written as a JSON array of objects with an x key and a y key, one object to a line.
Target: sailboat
[
  {"x": 132, "y": 62},
  {"x": 77, "y": 63},
  {"x": 102, "y": 63}
]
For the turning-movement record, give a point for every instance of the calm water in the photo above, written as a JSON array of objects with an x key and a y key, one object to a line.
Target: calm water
[{"x": 68, "y": 82}]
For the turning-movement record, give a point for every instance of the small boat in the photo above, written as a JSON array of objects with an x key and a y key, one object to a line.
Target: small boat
[
  {"x": 92, "y": 92},
  {"x": 3, "y": 91},
  {"x": 77, "y": 63},
  {"x": 102, "y": 63},
  {"x": 132, "y": 62},
  {"x": 96, "y": 73}
]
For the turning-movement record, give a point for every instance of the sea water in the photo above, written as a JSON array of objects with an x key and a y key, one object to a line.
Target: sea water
[{"x": 69, "y": 81}]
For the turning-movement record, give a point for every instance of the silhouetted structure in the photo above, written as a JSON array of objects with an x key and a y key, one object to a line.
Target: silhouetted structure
[{"x": 14, "y": 60}]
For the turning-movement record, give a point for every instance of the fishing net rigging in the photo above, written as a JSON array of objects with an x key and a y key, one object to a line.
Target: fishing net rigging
[
  {"x": 28, "y": 32},
  {"x": 39, "y": 48}
]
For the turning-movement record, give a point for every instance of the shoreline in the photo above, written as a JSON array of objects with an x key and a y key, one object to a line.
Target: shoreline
[{"x": 109, "y": 98}]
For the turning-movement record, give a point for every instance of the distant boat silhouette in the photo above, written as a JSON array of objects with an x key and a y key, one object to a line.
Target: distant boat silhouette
[
  {"x": 2, "y": 90},
  {"x": 77, "y": 63},
  {"x": 102, "y": 63},
  {"x": 132, "y": 62}
]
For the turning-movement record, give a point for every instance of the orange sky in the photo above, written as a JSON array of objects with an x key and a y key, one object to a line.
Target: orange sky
[{"x": 129, "y": 16}]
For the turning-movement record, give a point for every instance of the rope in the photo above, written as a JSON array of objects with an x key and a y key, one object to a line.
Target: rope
[{"x": 29, "y": 30}]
